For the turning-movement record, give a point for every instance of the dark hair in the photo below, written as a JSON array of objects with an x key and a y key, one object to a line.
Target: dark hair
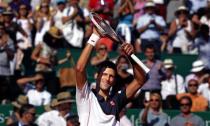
[
  {"x": 149, "y": 46},
  {"x": 122, "y": 57},
  {"x": 101, "y": 68},
  {"x": 186, "y": 97},
  {"x": 74, "y": 119},
  {"x": 24, "y": 109},
  {"x": 48, "y": 39}
]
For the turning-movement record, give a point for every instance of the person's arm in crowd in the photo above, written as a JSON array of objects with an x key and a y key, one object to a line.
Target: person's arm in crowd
[
  {"x": 126, "y": 4},
  {"x": 35, "y": 55},
  {"x": 143, "y": 28},
  {"x": 173, "y": 29},
  {"x": 144, "y": 115},
  {"x": 68, "y": 56},
  {"x": 22, "y": 31},
  {"x": 82, "y": 62},
  {"x": 139, "y": 74},
  {"x": 159, "y": 26},
  {"x": 25, "y": 80},
  {"x": 71, "y": 17},
  {"x": 191, "y": 33}
]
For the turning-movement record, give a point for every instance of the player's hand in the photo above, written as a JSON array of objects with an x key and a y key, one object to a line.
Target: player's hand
[{"x": 127, "y": 49}]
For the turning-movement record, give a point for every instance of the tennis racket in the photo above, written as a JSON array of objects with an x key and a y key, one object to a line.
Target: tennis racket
[{"x": 106, "y": 30}]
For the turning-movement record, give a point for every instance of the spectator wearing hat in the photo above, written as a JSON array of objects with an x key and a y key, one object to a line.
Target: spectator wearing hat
[
  {"x": 199, "y": 102},
  {"x": 38, "y": 96},
  {"x": 150, "y": 27},
  {"x": 15, "y": 116},
  {"x": 197, "y": 72},
  {"x": 181, "y": 31},
  {"x": 7, "y": 50},
  {"x": 173, "y": 84},
  {"x": 58, "y": 116},
  {"x": 45, "y": 56},
  {"x": 27, "y": 116},
  {"x": 186, "y": 117}
]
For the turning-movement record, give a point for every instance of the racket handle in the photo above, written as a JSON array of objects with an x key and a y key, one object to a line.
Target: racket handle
[{"x": 139, "y": 62}]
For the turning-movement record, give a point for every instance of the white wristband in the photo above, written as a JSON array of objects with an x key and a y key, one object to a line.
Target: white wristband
[{"x": 93, "y": 39}]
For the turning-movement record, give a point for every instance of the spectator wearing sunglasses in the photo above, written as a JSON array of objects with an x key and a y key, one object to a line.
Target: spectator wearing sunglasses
[
  {"x": 199, "y": 103},
  {"x": 186, "y": 118},
  {"x": 152, "y": 114}
]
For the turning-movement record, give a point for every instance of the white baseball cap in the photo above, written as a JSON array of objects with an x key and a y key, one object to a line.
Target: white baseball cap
[{"x": 197, "y": 66}]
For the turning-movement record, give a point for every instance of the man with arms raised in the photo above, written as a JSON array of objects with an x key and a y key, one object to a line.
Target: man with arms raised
[{"x": 100, "y": 107}]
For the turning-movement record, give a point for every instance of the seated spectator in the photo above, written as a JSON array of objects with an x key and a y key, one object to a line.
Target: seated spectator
[
  {"x": 152, "y": 114},
  {"x": 58, "y": 116},
  {"x": 150, "y": 27},
  {"x": 197, "y": 72},
  {"x": 181, "y": 31},
  {"x": 199, "y": 102},
  {"x": 204, "y": 90},
  {"x": 173, "y": 84},
  {"x": 38, "y": 96},
  {"x": 186, "y": 118},
  {"x": 27, "y": 116},
  {"x": 15, "y": 116}
]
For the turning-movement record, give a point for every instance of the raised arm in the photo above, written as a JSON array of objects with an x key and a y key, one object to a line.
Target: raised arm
[
  {"x": 139, "y": 74},
  {"x": 81, "y": 77}
]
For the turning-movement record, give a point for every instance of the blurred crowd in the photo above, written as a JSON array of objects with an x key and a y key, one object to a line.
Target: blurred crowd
[{"x": 32, "y": 33}]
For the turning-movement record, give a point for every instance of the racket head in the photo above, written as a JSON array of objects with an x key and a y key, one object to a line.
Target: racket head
[{"x": 103, "y": 27}]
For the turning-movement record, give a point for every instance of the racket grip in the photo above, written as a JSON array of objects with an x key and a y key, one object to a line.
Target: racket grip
[{"x": 139, "y": 62}]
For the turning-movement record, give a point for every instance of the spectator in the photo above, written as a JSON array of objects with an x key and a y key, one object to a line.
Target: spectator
[
  {"x": 138, "y": 10},
  {"x": 172, "y": 85},
  {"x": 204, "y": 90},
  {"x": 45, "y": 56},
  {"x": 186, "y": 118},
  {"x": 73, "y": 24},
  {"x": 125, "y": 13},
  {"x": 199, "y": 103},
  {"x": 197, "y": 72},
  {"x": 7, "y": 50},
  {"x": 102, "y": 55},
  {"x": 97, "y": 107},
  {"x": 150, "y": 27},
  {"x": 194, "y": 5},
  {"x": 152, "y": 114},
  {"x": 43, "y": 22},
  {"x": 27, "y": 116},
  {"x": 24, "y": 44},
  {"x": 73, "y": 120},
  {"x": 38, "y": 96},
  {"x": 58, "y": 116},
  {"x": 181, "y": 31},
  {"x": 202, "y": 45},
  {"x": 15, "y": 116},
  {"x": 205, "y": 19},
  {"x": 58, "y": 14},
  {"x": 12, "y": 27},
  {"x": 157, "y": 73}
]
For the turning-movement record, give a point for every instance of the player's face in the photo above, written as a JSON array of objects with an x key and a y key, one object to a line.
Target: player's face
[{"x": 107, "y": 79}]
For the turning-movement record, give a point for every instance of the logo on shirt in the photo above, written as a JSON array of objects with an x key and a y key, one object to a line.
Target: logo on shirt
[{"x": 112, "y": 103}]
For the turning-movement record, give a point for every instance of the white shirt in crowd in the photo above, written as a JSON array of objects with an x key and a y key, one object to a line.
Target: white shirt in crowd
[
  {"x": 205, "y": 91},
  {"x": 151, "y": 32},
  {"x": 37, "y": 98},
  {"x": 168, "y": 87},
  {"x": 51, "y": 118},
  {"x": 89, "y": 110},
  {"x": 124, "y": 121}
]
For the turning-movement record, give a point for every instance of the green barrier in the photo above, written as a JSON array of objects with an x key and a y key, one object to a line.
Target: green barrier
[{"x": 133, "y": 114}]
